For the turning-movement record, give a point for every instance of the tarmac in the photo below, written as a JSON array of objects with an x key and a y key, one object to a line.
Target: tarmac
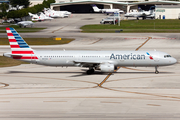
[{"x": 32, "y": 91}]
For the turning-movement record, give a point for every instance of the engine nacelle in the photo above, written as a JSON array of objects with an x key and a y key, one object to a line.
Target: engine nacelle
[{"x": 106, "y": 67}]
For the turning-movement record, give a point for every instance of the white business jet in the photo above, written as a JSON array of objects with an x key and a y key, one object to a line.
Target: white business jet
[
  {"x": 35, "y": 17},
  {"x": 43, "y": 16},
  {"x": 107, "y": 11},
  {"x": 52, "y": 13},
  {"x": 105, "y": 61},
  {"x": 141, "y": 14},
  {"x": 25, "y": 23}
]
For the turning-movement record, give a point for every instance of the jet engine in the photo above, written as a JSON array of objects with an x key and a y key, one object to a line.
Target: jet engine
[{"x": 107, "y": 67}]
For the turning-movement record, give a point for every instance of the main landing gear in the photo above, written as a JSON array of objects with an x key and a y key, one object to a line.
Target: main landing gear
[
  {"x": 90, "y": 71},
  {"x": 156, "y": 71}
]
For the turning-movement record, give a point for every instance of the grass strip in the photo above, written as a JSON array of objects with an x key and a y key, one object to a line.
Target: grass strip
[
  {"x": 136, "y": 26},
  {"x": 8, "y": 62},
  {"x": 132, "y": 31},
  {"x": 40, "y": 41},
  {"x": 21, "y": 30}
]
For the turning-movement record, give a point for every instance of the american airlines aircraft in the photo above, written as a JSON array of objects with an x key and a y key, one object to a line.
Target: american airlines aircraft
[{"x": 106, "y": 61}]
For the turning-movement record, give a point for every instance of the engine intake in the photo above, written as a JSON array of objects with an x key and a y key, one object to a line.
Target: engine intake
[{"x": 107, "y": 67}]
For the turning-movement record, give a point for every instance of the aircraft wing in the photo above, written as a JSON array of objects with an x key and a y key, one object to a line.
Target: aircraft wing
[
  {"x": 89, "y": 63},
  {"x": 24, "y": 24}
]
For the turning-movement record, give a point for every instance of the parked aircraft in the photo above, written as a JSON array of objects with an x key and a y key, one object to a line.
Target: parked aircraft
[
  {"x": 35, "y": 17},
  {"x": 144, "y": 14},
  {"x": 25, "y": 23},
  {"x": 65, "y": 13},
  {"x": 43, "y": 16},
  {"x": 54, "y": 14},
  {"x": 15, "y": 8},
  {"x": 107, "y": 11},
  {"x": 106, "y": 61}
]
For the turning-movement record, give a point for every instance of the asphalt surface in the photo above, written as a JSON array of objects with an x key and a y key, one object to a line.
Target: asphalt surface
[{"x": 42, "y": 92}]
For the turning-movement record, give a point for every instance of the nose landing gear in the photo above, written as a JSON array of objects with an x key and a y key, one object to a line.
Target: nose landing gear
[{"x": 156, "y": 71}]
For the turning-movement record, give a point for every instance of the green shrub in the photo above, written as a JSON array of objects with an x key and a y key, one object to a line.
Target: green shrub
[{"x": 35, "y": 9}]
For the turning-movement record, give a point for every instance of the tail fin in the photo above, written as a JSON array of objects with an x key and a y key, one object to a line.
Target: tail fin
[
  {"x": 30, "y": 14},
  {"x": 96, "y": 9},
  {"x": 19, "y": 48},
  {"x": 151, "y": 12}
]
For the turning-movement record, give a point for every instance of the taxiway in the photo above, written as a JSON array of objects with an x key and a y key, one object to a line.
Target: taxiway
[{"x": 40, "y": 92}]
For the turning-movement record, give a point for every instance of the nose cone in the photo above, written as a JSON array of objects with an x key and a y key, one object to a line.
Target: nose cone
[{"x": 173, "y": 61}]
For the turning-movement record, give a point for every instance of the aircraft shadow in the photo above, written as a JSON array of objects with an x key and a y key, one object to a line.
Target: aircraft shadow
[
  {"x": 13, "y": 72},
  {"x": 78, "y": 73},
  {"x": 143, "y": 73},
  {"x": 84, "y": 73}
]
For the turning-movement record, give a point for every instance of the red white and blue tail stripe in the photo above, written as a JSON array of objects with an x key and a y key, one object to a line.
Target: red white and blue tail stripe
[{"x": 19, "y": 48}]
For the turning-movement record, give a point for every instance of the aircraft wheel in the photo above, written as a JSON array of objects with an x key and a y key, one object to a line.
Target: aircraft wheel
[
  {"x": 157, "y": 72},
  {"x": 90, "y": 71}
]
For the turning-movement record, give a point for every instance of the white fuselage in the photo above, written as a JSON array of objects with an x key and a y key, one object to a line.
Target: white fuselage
[
  {"x": 106, "y": 61},
  {"x": 139, "y": 14},
  {"x": 117, "y": 58}
]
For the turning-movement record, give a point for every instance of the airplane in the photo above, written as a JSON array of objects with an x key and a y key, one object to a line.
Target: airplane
[
  {"x": 25, "y": 23},
  {"x": 107, "y": 11},
  {"x": 65, "y": 13},
  {"x": 141, "y": 13},
  {"x": 35, "y": 17},
  {"x": 43, "y": 16},
  {"x": 54, "y": 14},
  {"x": 17, "y": 7},
  {"x": 105, "y": 61}
]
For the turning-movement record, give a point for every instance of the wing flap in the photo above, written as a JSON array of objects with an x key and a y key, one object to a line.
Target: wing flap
[{"x": 87, "y": 62}]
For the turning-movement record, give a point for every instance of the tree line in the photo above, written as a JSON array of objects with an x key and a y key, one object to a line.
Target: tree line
[{"x": 23, "y": 12}]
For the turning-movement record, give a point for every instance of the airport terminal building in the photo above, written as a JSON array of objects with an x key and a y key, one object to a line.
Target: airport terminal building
[{"x": 163, "y": 9}]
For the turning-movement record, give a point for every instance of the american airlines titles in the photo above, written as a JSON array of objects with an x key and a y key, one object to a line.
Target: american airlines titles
[{"x": 127, "y": 57}]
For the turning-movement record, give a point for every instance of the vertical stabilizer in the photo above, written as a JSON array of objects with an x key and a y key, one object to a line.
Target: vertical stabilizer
[
  {"x": 19, "y": 48},
  {"x": 96, "y": 9}
]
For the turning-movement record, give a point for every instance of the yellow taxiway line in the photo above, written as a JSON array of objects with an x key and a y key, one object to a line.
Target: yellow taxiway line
[
  {"x": 119, "y": 67},
  {"x": 143, "y": 43},
  {"x": 107, "y": 77}
]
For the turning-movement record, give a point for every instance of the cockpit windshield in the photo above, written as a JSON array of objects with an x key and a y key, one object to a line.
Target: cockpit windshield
[{"x": 166, "y": 56}]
